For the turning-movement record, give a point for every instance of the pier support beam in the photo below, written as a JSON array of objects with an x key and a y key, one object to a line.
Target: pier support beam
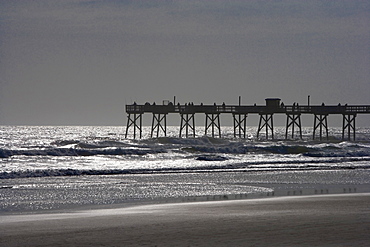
[
  {"x": 136, "y": 121},
  {"x": 321, "y": 121},
  {"x": 266, "y": 121},
  {"x": 349, "y": 124},
  {"x": 214, "y": 123},
  {"x": 293, "y": 120},
  {"x": 159, "y": 123},
  {"x": 240, "y": 124},
  {"x": 187, "y": 123}
]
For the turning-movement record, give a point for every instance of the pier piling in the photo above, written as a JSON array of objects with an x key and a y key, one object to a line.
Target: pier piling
[
  {"x": 349, "y": 124},
  {"x": 136, "y": 121},
  {"x": 267, "y": 122},
  {"x": 240, "y": 125},
  {"x": 159, "y": 123},
  {"x": 320, "y": 121},
  {"x": 291, "y": 121},
  {"x": 187, "y": 123},
  {"x": 214, "y": 123}
]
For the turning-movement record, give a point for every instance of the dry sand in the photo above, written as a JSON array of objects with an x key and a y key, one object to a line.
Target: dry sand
[{"x": 330, "y": 220}]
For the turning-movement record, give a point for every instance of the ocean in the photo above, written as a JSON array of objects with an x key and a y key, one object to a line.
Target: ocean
[{"x": 69, "y": 167}]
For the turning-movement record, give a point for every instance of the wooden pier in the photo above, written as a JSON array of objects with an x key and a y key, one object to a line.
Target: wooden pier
[{"x": 240, "y": 113}]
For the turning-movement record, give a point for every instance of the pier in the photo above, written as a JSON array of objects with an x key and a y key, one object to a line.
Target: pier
[{"x": 240, "y": 113}]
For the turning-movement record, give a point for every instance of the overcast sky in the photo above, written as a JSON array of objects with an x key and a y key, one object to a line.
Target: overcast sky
[{"x": 78, "y": 62}]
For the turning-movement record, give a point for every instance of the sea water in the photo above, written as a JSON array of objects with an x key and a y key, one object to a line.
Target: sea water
[{"x": 58, "y": 167}]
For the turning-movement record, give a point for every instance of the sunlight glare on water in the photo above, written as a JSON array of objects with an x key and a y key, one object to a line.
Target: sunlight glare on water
[{"x": 46, "y": 167}]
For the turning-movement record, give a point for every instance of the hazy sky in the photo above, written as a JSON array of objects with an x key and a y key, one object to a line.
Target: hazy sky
[{"x": 72, "y": 62}]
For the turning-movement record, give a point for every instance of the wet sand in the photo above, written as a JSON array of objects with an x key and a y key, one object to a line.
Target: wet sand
[{"x": 325, "y": 220}]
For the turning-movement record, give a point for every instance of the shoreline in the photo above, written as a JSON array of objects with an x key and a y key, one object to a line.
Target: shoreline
[{"x": 320, "y": 220}]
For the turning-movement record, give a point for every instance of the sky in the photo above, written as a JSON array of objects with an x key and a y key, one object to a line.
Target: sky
[{"x": 78, "y": 62}]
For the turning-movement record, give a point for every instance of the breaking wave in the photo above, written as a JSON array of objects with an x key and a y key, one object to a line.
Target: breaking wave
[
  {"x": 204, "y": 145},
  {"x": 338, "y": 164}
]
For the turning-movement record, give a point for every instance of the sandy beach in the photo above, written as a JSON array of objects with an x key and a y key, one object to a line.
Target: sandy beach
[{"x": 325, "y": 220}]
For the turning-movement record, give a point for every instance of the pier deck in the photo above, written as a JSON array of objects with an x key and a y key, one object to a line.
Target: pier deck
[{"x": 302, "y": 109}]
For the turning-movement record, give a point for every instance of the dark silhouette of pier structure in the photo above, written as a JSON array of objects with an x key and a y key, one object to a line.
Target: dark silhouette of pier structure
[{"x": 240, "y": 113}]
